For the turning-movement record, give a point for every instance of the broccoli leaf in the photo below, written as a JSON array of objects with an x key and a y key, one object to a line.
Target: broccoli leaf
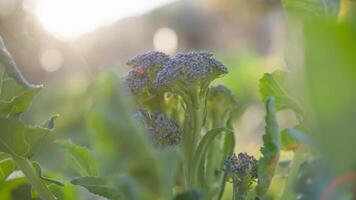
[
  {"x": 80, "y": 158},
  {"x": 293, "y": 138},
  {"x": 8, "y": 188},
  {"x": 314, "y": 7},
  {"x": 270, "y": 150},
  {"x": 7, "y": 166},
  {"x": 19, "y": 139},
  {"x": 112, "y": 118},
  {"x": 189, "y": 195},
  {"x": 169, "y": 160},
  {"x": 99, "y": 186},
  {"x": 37, "y": 166},
  {"x": 275, "y": 84},
  {"x": 15, "y": 92}
]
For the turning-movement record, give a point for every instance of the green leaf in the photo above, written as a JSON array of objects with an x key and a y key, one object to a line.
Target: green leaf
[
  {"x": 293, "y": 138},
  {"x": 189, "y": 195},
  {"x": 7, "y": 188},
  {"x": 37, "y": 166},
  {"x": 275, "y": 84},
  {"x": 270, "y": 150},
  {"x": 313, "y": 7},
  {"x": 19, "y": 139},
  {"x": 15, "y": 92},
  {"x": 80, "y": 157},
  {"x": 168, "y": 163},
  {"x": 7, "y": 166},
  {"x": 22, "y": 192},
  {"x": 113, "y": 124},
  {"x": 99, "y": 186}
]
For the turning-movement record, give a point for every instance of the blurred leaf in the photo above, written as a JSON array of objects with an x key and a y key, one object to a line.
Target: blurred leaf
[
  {"x": 80, "y": 157},
  {"x": 270, "y": 150},
  {"x": 331, "y": 81},
  {"x": 15, "y": 92},
  {"x": 293, "y": 138},
  {"x": 67, "y": 191},
  {"x": 7, "y": 187},
  {"x": 189, "y": 195},
  {"x": 22, "y": 192},
  {"x": 19, "y": 139},
  {"x": 37, "y": 166},
  {"x": 7, "y": 166},
  {"x": 99, "y": 186},
  {"x": 112, "y": 116},
  {"x": 314, "y": 7},
  {"x": 275, "y": 84},
  {"x": 282, "y": 168},
  {"x": 168, "y": 162}
]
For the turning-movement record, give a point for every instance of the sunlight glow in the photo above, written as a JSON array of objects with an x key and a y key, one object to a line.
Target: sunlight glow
[
  {"x": 72, "y": 18},
  {"x": 166, "y": 40}
]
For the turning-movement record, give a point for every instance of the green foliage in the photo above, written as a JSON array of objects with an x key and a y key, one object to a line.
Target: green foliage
[
  {"x": 275, "y": 84},
  {"x": 18, "y": 139},
  {"x": 7, "y": 188},
  {"x": 311, "y": 8},
  {"x": 80, "y": 158},
  {"x": 270, "y": 150},
  {"x": 99, "y": 186},
  {"x": 7, "y": 166},
  {"x": 189, "y": 195},
  {"x": 114, "y": 115}
]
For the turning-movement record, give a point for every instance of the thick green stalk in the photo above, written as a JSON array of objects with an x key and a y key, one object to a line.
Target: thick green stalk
[
  {"x": 29, "y": 171},
  {"x": 195, "y": 106}
]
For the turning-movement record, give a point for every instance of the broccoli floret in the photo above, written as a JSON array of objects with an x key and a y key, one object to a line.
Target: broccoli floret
[
  {"x": 163, "y": 132},
  {"x": 140, "y": 79},
  {"x": 220, "y": 105},
  {"x": 145, "y": 67},
  {"x": 241, "y": 166},
  {"x": 242, "y": 170},
  {"x": 188, "y": 70},
  {"x": 137, "y": 82},
  {"x": 149, "y": 63}
]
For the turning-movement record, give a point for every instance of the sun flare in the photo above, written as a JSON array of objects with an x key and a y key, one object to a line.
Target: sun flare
[{"x": 72, "y": 18}]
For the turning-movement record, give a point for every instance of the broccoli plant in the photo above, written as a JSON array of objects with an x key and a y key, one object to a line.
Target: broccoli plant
[{"x": 18, "y": 140}]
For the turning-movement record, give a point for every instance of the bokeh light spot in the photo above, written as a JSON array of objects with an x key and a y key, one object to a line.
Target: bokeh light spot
[
  {"x": 166, "y": 40},
  {"x": 51, "y": 60}
]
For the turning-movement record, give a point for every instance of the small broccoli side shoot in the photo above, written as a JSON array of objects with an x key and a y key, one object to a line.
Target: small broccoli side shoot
[
  {"x": 140, "y": 79},
  {"x": 163, "y": 132},
  {"x": 242, "y": 171},
  {"x": 220, "y": 105}
]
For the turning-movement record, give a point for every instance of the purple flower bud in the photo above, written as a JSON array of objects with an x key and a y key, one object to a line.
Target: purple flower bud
[
  {"x": 136, "y": 82},
  {"x": 150, "y": 62},
  {"x": 190, "y": 68},
  {"x": 241, "y": 165},
  {"x": 162, "y": 131}
]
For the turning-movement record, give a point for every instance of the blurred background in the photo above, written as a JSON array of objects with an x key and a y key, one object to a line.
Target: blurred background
[{"x": 64, "y": 44}]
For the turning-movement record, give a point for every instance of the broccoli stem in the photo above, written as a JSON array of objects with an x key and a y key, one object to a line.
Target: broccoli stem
[
  {"x": 28, "y": 170},
  {"x": 195, "y": 106}
]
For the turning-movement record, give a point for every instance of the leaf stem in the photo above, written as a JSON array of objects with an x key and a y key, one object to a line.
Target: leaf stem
[{"x": 29, "y": 171}]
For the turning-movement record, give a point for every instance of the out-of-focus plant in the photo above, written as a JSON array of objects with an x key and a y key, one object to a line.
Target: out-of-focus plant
[{"x": 18, "y": 140}]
